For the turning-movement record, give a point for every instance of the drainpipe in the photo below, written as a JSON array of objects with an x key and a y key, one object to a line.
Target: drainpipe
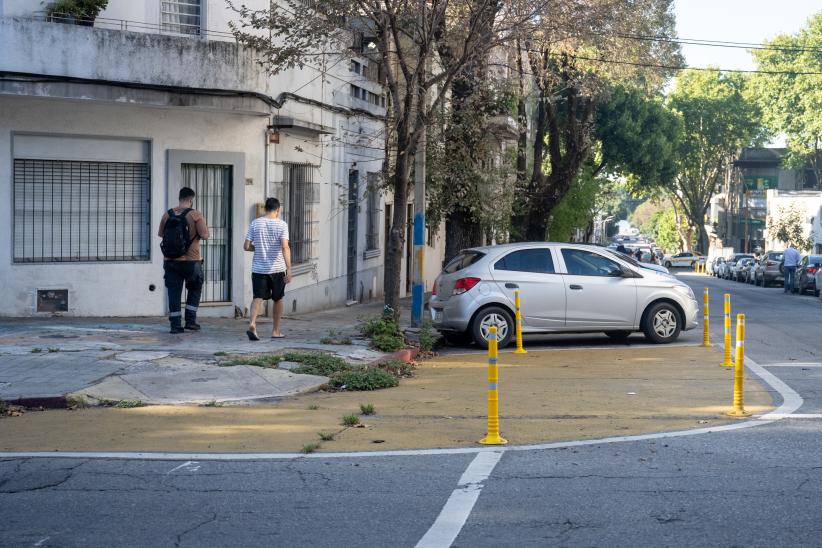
[{"x": 266, "y": 136}]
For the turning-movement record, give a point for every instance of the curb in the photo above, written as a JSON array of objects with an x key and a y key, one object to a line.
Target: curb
[{"x": 48, "y": 402}]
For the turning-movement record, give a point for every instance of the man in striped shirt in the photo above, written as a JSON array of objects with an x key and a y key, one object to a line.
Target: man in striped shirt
[{"x": 267, "y": 237}]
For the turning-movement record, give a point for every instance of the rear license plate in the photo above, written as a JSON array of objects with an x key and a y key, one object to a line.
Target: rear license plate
[{"x": 436, "y": 315}]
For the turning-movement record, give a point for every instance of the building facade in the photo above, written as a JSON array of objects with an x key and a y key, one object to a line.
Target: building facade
[{"x": 101, "y": 125}]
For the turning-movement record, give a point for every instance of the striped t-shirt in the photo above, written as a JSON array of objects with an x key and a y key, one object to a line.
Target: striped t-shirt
[{"x": 267, "y": 235}]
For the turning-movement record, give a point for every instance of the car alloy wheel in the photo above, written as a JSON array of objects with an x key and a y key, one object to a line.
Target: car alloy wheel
[
  {"x": 662, "y": 323},
  {"x": 490, "y": 317}
]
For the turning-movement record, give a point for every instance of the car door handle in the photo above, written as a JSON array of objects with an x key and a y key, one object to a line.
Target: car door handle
[
  {"x": 576, "y": 287},
  {"x": 509, "y": 285}
]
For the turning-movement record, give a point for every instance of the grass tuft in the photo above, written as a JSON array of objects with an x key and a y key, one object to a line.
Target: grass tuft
[
  {"x": 367, "y": 408},
  {"x": 326, "y": 436},
  {"x": 36, "y": 350},
  {"x": 309, "y": 448},
  {"x": 313, "y": 407},
  {"x": 317, "y": 363},
  {"x": 367, "y": 378},
  {"x": 4, "y": 408},
  {"x": 221, "y": 353},
  {"x": 258, "y": 360},
  {"x": 212, "y": 403},
  {"x": 128, "y": 404},
  {"x": 53, "y": 349},
  {"x": 350, "y": 420}
]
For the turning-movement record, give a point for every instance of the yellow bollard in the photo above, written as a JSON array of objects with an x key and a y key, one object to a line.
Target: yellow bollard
[
  {"x": 706, "y": 321},
  {"x": 728, "y": 361},
  {"x": 738, "y": 409},
  {"x": 493, "y": 437},
  {"x": 518, "y": 313}
]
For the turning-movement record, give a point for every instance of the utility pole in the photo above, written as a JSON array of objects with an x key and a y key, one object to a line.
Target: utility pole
[{"x": 418, "y": 258}]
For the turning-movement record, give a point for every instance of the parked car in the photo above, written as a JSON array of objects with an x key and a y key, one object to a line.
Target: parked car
[
  {"x": 565, "y": 288},
  {"x": 728, "y": 266},
  {"x": 767, "y": 270},
  {"x": 714, "y": 265},
  {"x": 806, "y": 274},
  {"x": 742, "y": 269},
  {"x": 684, "y": 259},
  {"x": 632, "y": 260}
]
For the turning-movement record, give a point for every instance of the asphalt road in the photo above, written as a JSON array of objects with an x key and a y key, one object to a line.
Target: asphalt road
[{"x": 754, "y": 486}]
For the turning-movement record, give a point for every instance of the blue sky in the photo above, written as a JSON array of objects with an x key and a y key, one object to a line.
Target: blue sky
[{"x": 737, "y": 21}]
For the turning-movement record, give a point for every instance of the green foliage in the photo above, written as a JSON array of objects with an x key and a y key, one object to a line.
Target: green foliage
[
  {"x": 52, "y": 349},
  {"x": 388, "y": 343},
  {"x": 398, "y": 368},
  {"x": 384, "y": 334},
  {"x": 367, "y": 408},
  {"x": 36, "y": 350},
  {"x": 212, "y": 403},
  {"x": 81, "y": 9},
  {"x": 662, "y": 227},
  {"x": 315, "y": 363},
  {"x": 789, "y": 225},
  {"x": 639, "y": 136},
  {"x": 313, "y": 407},
  {"x": 128, "y": 404},
  {"x": 258, "y": 360},
  {"x": 4, "y": 408},
  {"x": 366, "y": 378},
  {"x": 429, "y": 337},
  {"x": 309, "y": 448},
  {"x": 792, "y": 103},
  {"x": 326, "y": 436},
  {"x": 577, "y": 208},
  {"x": 334, "y": 337},
  {"x": 350, "y": 420}
]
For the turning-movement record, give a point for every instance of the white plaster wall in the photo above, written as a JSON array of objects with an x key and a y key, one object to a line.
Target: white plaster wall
[
  {"x": 103, "y": 289},
  {"x": 809, "y": 202}
]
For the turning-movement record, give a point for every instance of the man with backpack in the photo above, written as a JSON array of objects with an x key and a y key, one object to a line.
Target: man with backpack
[{"x": 181, "y": 229}]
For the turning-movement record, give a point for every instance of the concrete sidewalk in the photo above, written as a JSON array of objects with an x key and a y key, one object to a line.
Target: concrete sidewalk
[
  {"x": 549, "y": 395},
  {"x": 44, "y": 359}
]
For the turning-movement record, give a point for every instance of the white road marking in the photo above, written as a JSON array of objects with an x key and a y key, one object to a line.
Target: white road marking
[
  {"x": 795, "y": 416},
  {"x": 454, "y": 514},
  {"x": 41, "y": 541},
  {"x": 791, "y": 401},
  {"x": 793, "y": 364},
  {"x": 190, "y": 466}
]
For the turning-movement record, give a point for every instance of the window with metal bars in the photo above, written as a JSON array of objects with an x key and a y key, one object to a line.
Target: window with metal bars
[
  {"x": 299, "y": 197},
  {"x": 74, "y": 211},
  {"x": 181, "y": 16},
  {"x": 372, "y": 225}
]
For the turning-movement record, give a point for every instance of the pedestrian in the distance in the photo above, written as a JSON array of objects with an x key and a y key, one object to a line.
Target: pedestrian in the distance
[
  {"x": 790, "y": 259},
  {"x": 181, "y": 229},
  {"x": 267, "y": 237},
  {"x": 638, "y": 255}
]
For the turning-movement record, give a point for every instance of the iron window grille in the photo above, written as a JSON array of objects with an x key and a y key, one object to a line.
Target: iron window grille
[
  {"x": 372, "y": 227},
  {"x": 299, "y": 198},
  {"x": 76, "y": 211},
  {"x": 181, "y": 16}
]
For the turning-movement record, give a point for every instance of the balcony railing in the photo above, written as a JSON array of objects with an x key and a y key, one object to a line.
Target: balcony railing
[{"x": 134, "y": 26}]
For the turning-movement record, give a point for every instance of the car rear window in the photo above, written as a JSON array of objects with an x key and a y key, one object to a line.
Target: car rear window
[
  {"x": 815, "y": 259},
  {"x": 527, "y": 260},
  {"x": 463, "y": 260},
  {"x": 775, "y": 256}
]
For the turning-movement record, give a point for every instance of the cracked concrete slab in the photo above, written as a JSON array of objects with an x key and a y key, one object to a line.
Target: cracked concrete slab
[{"x": 141, "y": 356}]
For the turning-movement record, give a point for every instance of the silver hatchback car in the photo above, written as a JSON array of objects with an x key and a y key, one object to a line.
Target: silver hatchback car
[{"x": 565, "y": 288}]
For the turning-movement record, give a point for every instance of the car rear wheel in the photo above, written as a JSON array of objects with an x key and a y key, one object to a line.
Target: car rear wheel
[
  {"x": 662, "y": 323},
  {"x": 492, "y": 316}
]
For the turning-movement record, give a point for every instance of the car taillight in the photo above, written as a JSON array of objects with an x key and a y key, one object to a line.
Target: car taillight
[
  {"x": 810, "y": 270},
  {"x": 434, "y": 289},
  {"x": 464, "y": 284},
  {"x": 770, "y": 263}
]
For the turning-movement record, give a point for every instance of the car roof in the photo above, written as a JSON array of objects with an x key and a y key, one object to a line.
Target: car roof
[{"x": 503, "y": 247}]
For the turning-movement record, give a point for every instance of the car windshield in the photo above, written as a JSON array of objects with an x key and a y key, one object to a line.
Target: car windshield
[
  {"x": 815, "y": 259},
  {"x": 775, "y": 256},
  {"x": 627, "y": 258}
]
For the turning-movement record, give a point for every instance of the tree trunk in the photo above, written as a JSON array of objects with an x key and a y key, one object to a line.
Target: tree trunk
[
  {"x": 462, "y": 231},
  {"x": 396, "y": 237}
]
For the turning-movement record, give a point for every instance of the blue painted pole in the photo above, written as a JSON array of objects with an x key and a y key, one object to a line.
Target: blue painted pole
[{"x": 418, "y": 258}]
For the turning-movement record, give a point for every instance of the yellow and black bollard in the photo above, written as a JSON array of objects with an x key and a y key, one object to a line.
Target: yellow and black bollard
[
  {"x": 518, "y": 315},
  {"x": 738, "y": 409},
  {"x": 728, "y": 361},
  {"x": 706, "y": 321},
  {"x": 493, "y": 437}
]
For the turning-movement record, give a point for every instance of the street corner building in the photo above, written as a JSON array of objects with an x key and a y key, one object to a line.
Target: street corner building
[{"x": 102, "y": 123}]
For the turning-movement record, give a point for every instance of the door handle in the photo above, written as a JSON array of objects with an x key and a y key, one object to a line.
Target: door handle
[
  {"x": 576, "y": 287},
  {"x": 509, "y": 285}
]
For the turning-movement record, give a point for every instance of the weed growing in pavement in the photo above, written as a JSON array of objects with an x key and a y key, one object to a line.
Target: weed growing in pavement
[
  {"x": 313, "y": 407},
  {"x": 350, "y": 420},
  {"x": 366, "y": 378},
  {"x": 429, "y": 338},
  {"x": 367, "y": 408},
  {"x": 335, "y": 338},
  {"x": 398, "y": 368},
  {"x": 53, "y": 349},
  {"x": 384, "y": 334},
  {"x": 309, "y": 448},
  {"x": 4, "y": 408},
  {"x": 76, "y": 402},
  {"x": 128, "y": 404},
  {"x": 258, "y": 360},
  {"x": 315, "y": 363},
  {"x": 221, "y": 353},
  {"x": 326, "y": 436},
  {"x": 36, "y": 350},
  {"x": 212, "y": 403}
]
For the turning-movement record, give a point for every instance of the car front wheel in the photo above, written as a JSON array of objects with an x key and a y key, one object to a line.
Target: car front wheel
[
  {"x": 662, "y": 323},
  {"x": 489, "y": 317}
]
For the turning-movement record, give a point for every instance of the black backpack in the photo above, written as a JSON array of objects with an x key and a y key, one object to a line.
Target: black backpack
[{"x": 176, "y": 240}]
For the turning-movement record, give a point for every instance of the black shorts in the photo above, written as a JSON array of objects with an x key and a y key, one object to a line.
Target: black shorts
[{"x": 268, "y": 286}]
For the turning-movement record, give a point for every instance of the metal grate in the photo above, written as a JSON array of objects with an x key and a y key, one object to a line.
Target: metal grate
[
  {"x": 212, "y": 184},
  {"x": 72, "y": 211},
  {"x": 181, "y": 16},
  {"x": 299, "y": 196}
]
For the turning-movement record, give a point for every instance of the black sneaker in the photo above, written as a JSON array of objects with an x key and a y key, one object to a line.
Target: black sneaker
[
  {"x": 193, "y": 326},
  {"x": 176, "y": 330}
]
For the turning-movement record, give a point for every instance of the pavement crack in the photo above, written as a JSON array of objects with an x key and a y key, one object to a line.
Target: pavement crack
[
  {"x": 179, "y": 540},
  {"x": 69, "y": 474}
]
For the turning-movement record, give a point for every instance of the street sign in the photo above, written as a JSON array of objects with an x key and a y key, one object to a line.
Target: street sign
[
  {"x": 752, "y": 222},
  {"x": 760, "y": 182}
]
